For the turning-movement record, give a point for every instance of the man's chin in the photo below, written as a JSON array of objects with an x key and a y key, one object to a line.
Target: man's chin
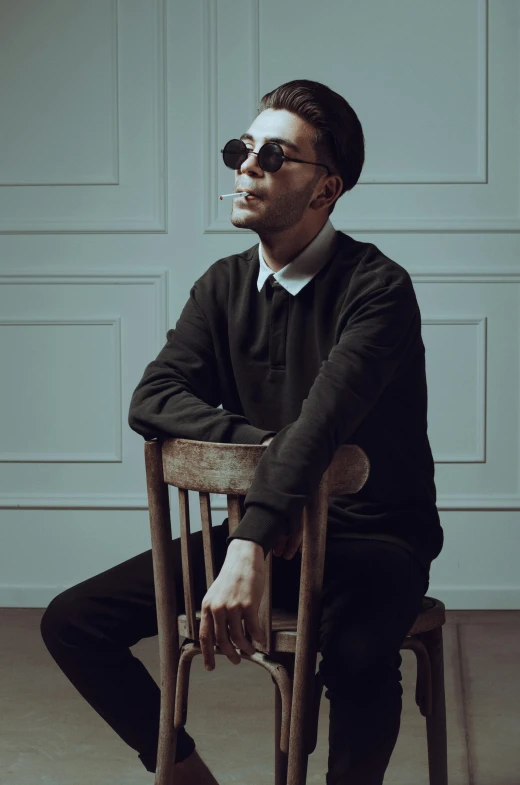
[{"x": 245, "y": 221}]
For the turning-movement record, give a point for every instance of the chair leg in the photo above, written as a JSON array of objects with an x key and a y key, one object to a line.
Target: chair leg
[
  {"x": 299, "y": 731},
  {"x": 167, "y": 742},
  {"x": 280, "y": 758},
  {"x": 312, "y": 730},
  {"x": 423, "y": 687},
  {"x": 174, "y": 715},
  {"x": 189, "y": 651},
  {"x": 436, "y": 721}
]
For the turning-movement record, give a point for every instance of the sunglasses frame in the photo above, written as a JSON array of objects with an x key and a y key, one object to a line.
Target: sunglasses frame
[{"x": 283, "y": 157}]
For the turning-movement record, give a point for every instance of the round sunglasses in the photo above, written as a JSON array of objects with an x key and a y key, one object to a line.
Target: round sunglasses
[{"x": 270, "y": 156}]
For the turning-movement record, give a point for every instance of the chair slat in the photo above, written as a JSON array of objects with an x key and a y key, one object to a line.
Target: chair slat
[
  {"x": 209, "y": 556},
  {"x": 233, "y": 506},
  {"x": 265, "y": 611},
  {"x": 187, "y": 564}
]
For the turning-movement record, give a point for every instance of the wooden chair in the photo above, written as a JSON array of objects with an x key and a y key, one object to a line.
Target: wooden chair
[{"x": 291, "y": 651}]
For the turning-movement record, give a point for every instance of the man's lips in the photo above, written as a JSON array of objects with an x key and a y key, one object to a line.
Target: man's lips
[{"x": 249, "y": 194}]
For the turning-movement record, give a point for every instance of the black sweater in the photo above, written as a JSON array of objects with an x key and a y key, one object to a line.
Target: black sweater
[{"x": 342, "y": 361}]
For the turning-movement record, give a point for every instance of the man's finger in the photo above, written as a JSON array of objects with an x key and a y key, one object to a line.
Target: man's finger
[
  {"x": 280, "y": 545},
  {"x": 253, "y": 625},
  {"x": 237, "y": 633},
  {"x": 206, "y": 639},
  {"x": 222, "y": 635},
  {"x": 294, "y": 545}
]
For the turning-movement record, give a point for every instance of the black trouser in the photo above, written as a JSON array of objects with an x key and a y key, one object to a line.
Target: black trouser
[{"x": 372, "y": 593}]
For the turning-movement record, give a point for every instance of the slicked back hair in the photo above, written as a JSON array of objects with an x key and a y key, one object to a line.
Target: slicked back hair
[{"x": 338, "y": 140}]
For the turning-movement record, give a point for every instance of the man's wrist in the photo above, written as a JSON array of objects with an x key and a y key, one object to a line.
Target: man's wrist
[{"x": 249, "y": 546}]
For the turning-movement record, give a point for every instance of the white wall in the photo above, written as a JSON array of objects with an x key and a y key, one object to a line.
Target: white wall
[{"x": 112, "y": 118}]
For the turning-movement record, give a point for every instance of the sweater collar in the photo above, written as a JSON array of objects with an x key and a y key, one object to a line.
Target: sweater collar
[{"x": 295, "y": 275}]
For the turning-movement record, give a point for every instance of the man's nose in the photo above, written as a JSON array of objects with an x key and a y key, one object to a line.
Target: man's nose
[{"x": 251, "y": 163}]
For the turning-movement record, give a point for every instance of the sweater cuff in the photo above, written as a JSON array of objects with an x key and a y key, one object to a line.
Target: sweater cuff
[
  {"x": 261, "y": 526},
  {"x": 248, "y": 434}
]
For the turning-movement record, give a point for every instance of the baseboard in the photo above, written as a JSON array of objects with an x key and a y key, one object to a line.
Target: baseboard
[{"x": 454, "y": 597}]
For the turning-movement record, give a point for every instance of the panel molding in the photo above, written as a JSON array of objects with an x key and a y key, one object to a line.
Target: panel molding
[
  {"x": 151, "y": 221},
  {"x": 139, "y": 501},
  {"x": 212, "y": 223},
  {"x": 479, "y": 456},
  {"x": 466, "y": 275},
  {"x": 113, "y": 177},
  {"x": 91, "y": 457},
  {"x": 74, "y": 501},
  {"x": 159, "y": 280},
  {"x": 453, "y": 502}
]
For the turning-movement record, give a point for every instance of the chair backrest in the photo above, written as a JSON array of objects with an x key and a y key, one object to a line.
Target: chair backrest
[{"x": 228, "y": 469}]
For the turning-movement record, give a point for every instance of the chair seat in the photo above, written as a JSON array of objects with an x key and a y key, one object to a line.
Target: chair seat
[{"x": 284, "y": 624}]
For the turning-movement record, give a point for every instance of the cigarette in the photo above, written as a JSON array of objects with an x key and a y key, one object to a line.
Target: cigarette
[{"x": 242, "y": 193}]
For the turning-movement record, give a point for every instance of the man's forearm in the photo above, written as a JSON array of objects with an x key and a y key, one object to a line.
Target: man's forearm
[{"x": 247, "y": 547}]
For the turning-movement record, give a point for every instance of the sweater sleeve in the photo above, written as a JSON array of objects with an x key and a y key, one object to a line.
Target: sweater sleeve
[
  {"x": 179, "y": 391},
  {"x": 379, "y": 336}
]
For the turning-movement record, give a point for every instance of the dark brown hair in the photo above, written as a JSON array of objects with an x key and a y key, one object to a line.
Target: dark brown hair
[{"x": 338, "y": 140}]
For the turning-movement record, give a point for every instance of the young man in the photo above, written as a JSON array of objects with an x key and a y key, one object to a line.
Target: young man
[{"x": 309, "y": 340}]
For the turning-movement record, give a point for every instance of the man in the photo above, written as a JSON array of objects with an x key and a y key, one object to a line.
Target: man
[{"x": 309, "y": 340}]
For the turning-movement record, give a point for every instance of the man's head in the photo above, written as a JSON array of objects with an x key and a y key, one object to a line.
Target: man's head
[{"x": 326, "y": 131}]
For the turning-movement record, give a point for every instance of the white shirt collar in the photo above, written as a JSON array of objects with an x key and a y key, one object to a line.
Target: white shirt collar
[{"x": 295, "y": 275}]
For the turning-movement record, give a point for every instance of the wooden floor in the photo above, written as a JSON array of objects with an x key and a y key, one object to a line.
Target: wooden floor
[{"x": 49, "y": 734}]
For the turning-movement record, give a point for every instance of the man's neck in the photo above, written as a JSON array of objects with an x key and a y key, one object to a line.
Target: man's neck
[{"x": 279, "y": 254}]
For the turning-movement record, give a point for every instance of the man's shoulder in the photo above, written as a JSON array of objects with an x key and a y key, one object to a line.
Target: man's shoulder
[{"x": 370, "y": 268}]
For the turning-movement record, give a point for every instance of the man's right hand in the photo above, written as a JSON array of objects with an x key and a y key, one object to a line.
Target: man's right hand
[{"x": 287, "y": 546}]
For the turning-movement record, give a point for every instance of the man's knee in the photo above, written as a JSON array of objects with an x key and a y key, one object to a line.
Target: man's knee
[
  {"x": 359, "y": 669},
  {"x": 59, "y": 617}
]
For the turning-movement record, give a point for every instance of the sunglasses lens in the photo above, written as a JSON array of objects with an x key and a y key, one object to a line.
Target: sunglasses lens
[
  {"x": 270, "y": 157},
  {"x": 235, "y": 153}
]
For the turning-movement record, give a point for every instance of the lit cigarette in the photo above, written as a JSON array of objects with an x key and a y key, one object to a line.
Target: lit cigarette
[{"x": 241, "y": 193}]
